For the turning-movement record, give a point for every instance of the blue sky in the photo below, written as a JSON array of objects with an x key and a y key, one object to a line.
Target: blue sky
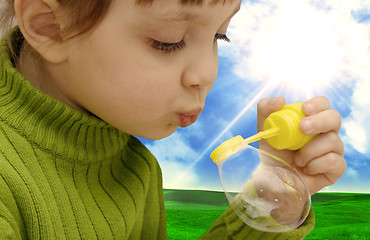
[{"x": 292, "y": 48}]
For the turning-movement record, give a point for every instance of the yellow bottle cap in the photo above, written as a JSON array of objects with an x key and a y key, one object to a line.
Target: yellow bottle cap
[
  {"x": 227, "y": 148},
  {"x": 281, "y": 131},
  {"x": 287, "y": 121}
]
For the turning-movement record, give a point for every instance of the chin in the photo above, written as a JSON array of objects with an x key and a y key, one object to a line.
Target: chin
[{"x": 160, "y": 134}]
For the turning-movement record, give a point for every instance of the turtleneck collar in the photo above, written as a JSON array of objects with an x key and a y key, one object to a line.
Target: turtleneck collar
[{"x": 49, "y": 123}]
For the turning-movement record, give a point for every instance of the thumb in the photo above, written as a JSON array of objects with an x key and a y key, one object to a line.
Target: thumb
[{"x": 265, "y": 107}]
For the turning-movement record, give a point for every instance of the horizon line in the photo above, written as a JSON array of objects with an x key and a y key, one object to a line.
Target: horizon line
[{"x": 213, "y": 190}]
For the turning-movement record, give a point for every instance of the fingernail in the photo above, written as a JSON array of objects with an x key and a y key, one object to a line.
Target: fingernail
[{"x": 307, "y": 125}]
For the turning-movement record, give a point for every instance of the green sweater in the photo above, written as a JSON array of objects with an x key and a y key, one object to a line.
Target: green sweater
[{"x": 65, "y": 174}]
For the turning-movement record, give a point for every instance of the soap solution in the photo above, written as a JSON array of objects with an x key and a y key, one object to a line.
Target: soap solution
[{"x": 266, "y": 192}]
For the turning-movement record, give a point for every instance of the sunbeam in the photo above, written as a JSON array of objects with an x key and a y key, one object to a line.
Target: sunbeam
[{"x": 251, "y": 103}]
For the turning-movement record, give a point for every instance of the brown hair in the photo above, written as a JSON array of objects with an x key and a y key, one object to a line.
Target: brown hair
[{"x": 83, "y": 15}]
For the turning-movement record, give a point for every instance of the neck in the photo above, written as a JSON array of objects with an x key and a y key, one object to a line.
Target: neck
[
  {"x": 39, "y": 73},
  {"x": 49, "y": 124}
]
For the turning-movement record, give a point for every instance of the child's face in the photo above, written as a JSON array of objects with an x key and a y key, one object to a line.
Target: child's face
[{"x": 124, "y": 75}]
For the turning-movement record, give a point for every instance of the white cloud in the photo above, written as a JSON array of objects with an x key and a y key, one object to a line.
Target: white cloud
[
  {"x": 344, "y": 6},
  {"x": 355, "y": 135},
  {"x": 356, "y": 124},
  {"x": 175, "y": 155},
  {"x": 351, "y": 172}
]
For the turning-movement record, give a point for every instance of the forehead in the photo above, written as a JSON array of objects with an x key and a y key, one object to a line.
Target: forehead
[
  {"x": 188, "y": 2},
  {"x": 167, "y": 13},
  {"x": 189, "y": 9}
]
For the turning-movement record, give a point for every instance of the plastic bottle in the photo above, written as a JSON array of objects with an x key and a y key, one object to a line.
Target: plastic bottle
[{"x": 265, "y": 191}]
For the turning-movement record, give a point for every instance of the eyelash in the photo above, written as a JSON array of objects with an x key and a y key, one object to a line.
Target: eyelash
[
  {"x": 167, "y": 47},
  {"x": 222, "y": 37},
  {"x": 171, "y": 47}
]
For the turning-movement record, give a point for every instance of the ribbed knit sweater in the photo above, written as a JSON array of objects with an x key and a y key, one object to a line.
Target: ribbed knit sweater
[{"x": 65, "y": 174}]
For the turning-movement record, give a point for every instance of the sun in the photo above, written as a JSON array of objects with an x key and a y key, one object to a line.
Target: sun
[
  {"x": 297, "y": 46},
  {"x": 299, "y": 50}
]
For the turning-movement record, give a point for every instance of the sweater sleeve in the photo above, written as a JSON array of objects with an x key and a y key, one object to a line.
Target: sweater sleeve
[
  {"x": 8, "y": 227},
  {"x": 230, "y": 226}
]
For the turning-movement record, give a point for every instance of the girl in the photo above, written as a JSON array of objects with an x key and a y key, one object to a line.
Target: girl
[{"x": 80, "y": 78}]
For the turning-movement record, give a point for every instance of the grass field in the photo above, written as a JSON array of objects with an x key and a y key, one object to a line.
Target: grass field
[{"x": 338, "y": 215}]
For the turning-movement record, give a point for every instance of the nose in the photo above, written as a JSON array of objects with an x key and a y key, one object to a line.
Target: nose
[{"x": 201, "y": 71}]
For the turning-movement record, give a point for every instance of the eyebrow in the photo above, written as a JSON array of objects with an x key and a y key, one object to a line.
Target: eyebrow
[{"x": 185, "y": 16}]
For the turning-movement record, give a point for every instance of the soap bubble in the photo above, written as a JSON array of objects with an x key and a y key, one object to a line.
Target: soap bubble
[{"x": 264, "y": 190}]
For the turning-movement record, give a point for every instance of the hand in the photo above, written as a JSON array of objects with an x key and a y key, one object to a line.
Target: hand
[{"x": 320, "y": 162}]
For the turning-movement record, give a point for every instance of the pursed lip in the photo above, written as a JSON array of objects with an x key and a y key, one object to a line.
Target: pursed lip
[{"x": 189, "y": 117}]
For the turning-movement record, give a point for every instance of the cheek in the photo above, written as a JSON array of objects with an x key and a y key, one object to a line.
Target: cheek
[
  {"x": 147, "y": 83},
  {"x": 119, "y": 79}
]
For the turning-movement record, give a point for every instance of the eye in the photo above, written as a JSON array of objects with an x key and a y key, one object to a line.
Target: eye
[
  {"x": 167, "y": 47},
  {"x": 221, "y": 37}
]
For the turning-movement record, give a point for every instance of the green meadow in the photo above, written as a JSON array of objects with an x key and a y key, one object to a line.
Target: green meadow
[{"x": 338, "y": 215}]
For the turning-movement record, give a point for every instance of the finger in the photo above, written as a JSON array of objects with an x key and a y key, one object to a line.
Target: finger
[
  {"x": 319, "y": 146},
  {"x": 322, "y": 122},
  {"x": 315, "y": 105},
  {"x": 331, "y": 166},
  {"x": 265, "y": 107}
]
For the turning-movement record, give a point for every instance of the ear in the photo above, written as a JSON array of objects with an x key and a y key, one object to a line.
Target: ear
[{"x": 38, "y": 24}]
